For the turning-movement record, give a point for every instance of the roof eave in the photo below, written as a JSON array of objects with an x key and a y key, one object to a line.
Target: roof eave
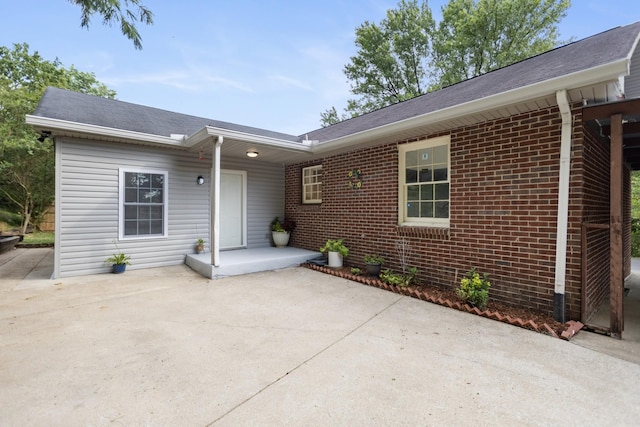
[
  {"x": 258, "y": 140},
  {"x": 603, "y": 73},
  {"x": 46, "y": 123}
]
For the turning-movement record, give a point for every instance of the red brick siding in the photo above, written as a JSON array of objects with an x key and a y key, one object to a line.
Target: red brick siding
[{"x": 504, "y": 180}]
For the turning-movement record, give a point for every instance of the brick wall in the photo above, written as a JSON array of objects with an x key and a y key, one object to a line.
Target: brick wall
[{"x": 504, "y": 179}]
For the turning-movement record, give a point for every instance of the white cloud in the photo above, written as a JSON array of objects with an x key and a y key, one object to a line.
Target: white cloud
[{"x": 288, "y": 81}]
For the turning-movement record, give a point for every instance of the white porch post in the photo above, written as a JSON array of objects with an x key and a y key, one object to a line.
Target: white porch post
[{"x": 215, "y": 204}]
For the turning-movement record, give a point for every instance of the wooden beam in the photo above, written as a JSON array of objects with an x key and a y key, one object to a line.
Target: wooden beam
[
  {"x": 604, "y": 111},
  {"x": 616, "y": 286},
  {"x": 628, "y": 128}
]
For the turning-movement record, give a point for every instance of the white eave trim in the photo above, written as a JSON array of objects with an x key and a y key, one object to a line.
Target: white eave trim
[
  {"x": 227, "y": 134},
  {"x": 46, "y": 123},
  {"x": 603, "y": 73}
]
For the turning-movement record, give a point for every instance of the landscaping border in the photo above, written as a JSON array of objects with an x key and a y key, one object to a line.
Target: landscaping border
[{"x": 571, "y": 327}]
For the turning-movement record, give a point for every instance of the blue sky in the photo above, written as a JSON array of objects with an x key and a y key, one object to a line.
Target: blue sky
[{"x": 270, "y": 64}]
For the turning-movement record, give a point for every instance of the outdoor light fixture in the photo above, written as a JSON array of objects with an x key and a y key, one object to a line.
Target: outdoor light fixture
[
  {"x": 200, "y": 180},
  {"x": 252, "y": 153}
]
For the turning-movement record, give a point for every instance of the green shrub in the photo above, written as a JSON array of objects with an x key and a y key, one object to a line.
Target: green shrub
[
  {"x": 12, "y": 219},
  {"x": 398, "y": 279},
  {"x": 635, "y": 237},
  {"x": 474, "y": 289},
  {"x": 356, "y": 271}
]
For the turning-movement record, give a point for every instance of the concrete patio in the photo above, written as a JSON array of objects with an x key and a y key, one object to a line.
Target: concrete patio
[{"x": 166, "y": 346}]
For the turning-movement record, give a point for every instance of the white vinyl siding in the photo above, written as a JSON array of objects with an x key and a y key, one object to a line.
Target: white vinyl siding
[
  {"x": 87, "y": 203},
  {"x": 312, "y": 184},
  {"x": 423, "y": 194},
  {"x": 632, "y": 81}
]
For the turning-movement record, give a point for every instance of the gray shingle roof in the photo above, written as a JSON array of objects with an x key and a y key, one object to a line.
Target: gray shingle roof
[
  {"x": 77, "y": 107},
  {"x": 600, "y": 49}
]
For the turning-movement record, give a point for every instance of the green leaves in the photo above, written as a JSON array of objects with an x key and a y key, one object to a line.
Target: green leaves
[
  {"x": 475, "y": 37},
  {"x": 391, "y": 62},
  {"x": 112, "y": 12},
  {"x": 26, "y": 164}
]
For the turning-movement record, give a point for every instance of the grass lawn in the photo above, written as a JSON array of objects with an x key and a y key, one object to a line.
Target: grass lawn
[{"x": 38, "y": 238}]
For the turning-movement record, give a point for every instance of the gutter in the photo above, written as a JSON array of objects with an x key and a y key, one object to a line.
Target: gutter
[
  {"x": 563, "y": 207},
  {"x": 46, "y": 123},
  {"x": 210, "y": 131}
]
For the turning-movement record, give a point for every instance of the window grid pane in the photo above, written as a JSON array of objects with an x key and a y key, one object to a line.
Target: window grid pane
[
  {"x": 312, "y": 184},
  {"x": 426, "y": 173},
  {"x": 144, "y": 203}
]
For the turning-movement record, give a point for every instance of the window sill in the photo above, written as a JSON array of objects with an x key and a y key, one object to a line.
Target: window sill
[{"x": 423, "y": 232}]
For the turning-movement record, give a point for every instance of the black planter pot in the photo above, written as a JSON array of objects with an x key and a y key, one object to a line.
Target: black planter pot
[{"x": 373, "y": 269}]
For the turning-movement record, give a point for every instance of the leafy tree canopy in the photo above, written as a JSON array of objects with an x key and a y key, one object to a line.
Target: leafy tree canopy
[
  {"x": 26, "y": 164},
  {"x": 112, "y": 11},
  {"x": 407, "y": 54}
]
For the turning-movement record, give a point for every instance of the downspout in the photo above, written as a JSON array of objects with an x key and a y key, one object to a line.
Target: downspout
[
  {"x": 214, "y": 238},
  {"x": 563, "y": 207}
]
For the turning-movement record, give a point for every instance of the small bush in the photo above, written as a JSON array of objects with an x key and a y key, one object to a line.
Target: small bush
[
  {"x": 12, "y": 219},
  {"x": 635, "y": 237},
  {"x": 398, "y": 279},
  {"x": 474, "y": 289},
  {"x": 356, "y": 271}
]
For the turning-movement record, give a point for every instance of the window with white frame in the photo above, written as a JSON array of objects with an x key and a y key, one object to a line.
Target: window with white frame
[
  {"x": 143, "y": 203},
  {"x": 312, "y": 184},
  {"x": 424, "y": 182}
]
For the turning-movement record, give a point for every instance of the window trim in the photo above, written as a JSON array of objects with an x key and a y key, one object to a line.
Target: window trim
[
  {"x": 304, "y": 186},
  {"x": 402, "y": 187},
  {"x": 165, "y": 210}
]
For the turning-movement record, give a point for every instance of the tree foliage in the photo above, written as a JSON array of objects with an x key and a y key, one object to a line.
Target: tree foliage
[
  {"x": 26, "y": 164},
  {"x": 408, "y": 54},
  {"x": 112, "y": 11},
  {"x": 475, "y": 37}
]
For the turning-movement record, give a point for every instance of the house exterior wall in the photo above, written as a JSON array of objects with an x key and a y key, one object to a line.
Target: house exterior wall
[
  {"x": 503, "y": 210},
  {"x": 265, "y": 197},
  {"x": 87, "y": 204},
  {"x": 632, "y": 81}
]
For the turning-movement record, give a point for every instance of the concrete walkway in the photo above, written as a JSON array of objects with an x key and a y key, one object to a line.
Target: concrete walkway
[{"x": 165, "y": 346}]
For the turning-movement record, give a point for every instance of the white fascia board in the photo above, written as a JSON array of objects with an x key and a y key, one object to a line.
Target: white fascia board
[
  {"x": 258, "y": 140},
  {"x": 603, "y": 73},
  {"x": 46, "y": 123}
]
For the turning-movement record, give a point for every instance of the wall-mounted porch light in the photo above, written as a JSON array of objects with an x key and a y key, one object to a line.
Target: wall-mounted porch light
[
  {"x": 200, "y": 180},
  {"x": 252, "y": 153}
]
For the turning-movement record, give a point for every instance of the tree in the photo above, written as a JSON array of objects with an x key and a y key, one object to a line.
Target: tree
[
  {"x": 391, "y": 62},
  {"x": 111, "y": 12},
  {"x": 26, "y": 164},
  {"x": 475, "y": 37},
  {"x": 405, "y": 56}
]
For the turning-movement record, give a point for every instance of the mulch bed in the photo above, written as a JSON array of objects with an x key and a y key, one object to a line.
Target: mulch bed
[{"x": 517, "y": 316}]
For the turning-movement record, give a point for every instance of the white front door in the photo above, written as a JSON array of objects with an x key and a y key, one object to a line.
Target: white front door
[{"x": 233, "y": 211}]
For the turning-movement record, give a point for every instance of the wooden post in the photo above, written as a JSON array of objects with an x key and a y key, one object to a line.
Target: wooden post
[{"x": 616, "y": 287}]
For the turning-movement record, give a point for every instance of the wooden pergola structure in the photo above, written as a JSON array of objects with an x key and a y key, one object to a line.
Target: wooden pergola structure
[{"x": 620, "y": 122}]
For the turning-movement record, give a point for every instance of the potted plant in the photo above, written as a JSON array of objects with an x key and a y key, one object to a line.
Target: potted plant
[
  {"x": 119, "y": 262},
  {"x": 281, "y": 231},
  {"x": 373, "y": 264},
  {"x": 336, "y": 250},
  {"x": 200, "y": 246}
]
